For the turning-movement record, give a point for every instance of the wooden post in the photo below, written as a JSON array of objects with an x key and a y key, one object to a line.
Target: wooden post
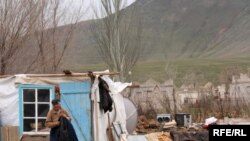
[{"x": 109, "y": 130}]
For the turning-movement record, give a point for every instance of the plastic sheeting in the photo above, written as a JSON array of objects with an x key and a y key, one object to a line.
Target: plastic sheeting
[
  {"x": 9, "y": 111},
  {"x": 23, "y": 79},
  {"x": 116, "y": 88},
  {"x": 131, "y": 115},
  {"x": 136, "y": 138},
  {"x": 100, "y": 121},
  {"x": 118, "y": 115}
]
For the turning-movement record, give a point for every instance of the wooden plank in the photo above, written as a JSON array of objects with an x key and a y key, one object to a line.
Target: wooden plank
[
  {"x": 14, "y": 133},
  {"x": 71, "y": 75},
  {"x": 35, "y": 138},
  {"x": 1, "y": 134},
  {"x": 62, "y": 74},
  {"x": 9, "y": 133},
  {"x": 4, "y": 136}
]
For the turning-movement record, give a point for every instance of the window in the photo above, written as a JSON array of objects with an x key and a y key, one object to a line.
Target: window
[
  {"x": 248, "y": 90},
  {"x": 188, "y": 100},
  {"x": 34, "y": 106}
]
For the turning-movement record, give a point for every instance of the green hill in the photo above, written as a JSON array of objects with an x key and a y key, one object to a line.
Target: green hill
[
  {"x": 181, "y": 29},
  {"x": 215, "y": 30}
]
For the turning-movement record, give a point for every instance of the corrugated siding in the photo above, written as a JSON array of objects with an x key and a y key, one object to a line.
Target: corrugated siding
[
  {"x": 76, "y": 100},
  {"x": 9, "y": 133}
]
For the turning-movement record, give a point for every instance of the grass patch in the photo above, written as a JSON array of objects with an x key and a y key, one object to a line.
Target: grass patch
[{"x": 203, "y": 70}]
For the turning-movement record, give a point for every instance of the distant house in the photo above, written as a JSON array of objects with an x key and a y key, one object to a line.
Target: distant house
[
  {"x": 240, "y": 87},
  {"x": 220, "y": 90},
  {"x": 152, "y": 94},
  {"x": 187, "y": 94}
]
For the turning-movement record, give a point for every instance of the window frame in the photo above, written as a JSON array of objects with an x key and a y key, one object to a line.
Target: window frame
[{"x": 36, "y": 87}]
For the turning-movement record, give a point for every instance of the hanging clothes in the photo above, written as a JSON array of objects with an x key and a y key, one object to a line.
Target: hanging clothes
[
  {"x": 106, "y": 101},
  {"x": 66, "y": 132}
]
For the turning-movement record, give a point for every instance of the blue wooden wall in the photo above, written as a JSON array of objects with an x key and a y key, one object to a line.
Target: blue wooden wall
[{"x": 75, "y": 100}]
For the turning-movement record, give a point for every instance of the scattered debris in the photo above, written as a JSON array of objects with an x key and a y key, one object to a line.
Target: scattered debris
[
  {"x": 232, "y": 121},
  {"x": 169, "y": 131},
  {"x": 210, "y": 121},
  {"x": 170, "y": 124},
  {"x": 196, "y": 126},
  {"x": 159, "y": 136},
  {"x": 189, "y": 135},
  {"x": 145, "y": 125}
]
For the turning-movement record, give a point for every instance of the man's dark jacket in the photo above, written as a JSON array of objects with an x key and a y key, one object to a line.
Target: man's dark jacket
[{"x": 65, "y": 132}]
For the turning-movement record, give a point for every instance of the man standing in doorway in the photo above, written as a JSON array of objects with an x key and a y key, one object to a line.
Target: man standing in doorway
[{"x": 53, "y": 116}]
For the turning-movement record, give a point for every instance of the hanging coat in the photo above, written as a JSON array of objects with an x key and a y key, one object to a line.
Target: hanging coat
[
  {"x": 66, "y": 132},
  {"x": 105, "y": 98}
]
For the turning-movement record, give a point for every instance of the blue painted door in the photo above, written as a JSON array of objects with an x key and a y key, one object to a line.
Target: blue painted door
[{"x": 75, "y": 100}]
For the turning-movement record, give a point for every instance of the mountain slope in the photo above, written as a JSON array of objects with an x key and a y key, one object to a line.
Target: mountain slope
[{"x": 179, "y": 29}]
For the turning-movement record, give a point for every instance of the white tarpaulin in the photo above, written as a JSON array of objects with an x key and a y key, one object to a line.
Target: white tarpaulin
[
  {"x": 24, "y": 79},
  {"x": 116, "y": 88},
  {"x": 9, "y": 111},
  {"x": 118, "y": 114}
]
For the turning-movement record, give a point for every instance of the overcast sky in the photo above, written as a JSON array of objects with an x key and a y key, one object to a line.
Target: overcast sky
[{"x": 89, "y": 5}]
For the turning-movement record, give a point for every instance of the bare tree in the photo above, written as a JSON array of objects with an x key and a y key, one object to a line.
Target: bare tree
[
  {"x": 51, "y": 39},
  {"x": 16, "y": 23},
  {"x": 118, "y": 36},
  {"x": 34, "y": 25}
]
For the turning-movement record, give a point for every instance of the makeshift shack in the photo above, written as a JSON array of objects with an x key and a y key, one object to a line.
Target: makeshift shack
[{"x": 25, "y": 100}]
